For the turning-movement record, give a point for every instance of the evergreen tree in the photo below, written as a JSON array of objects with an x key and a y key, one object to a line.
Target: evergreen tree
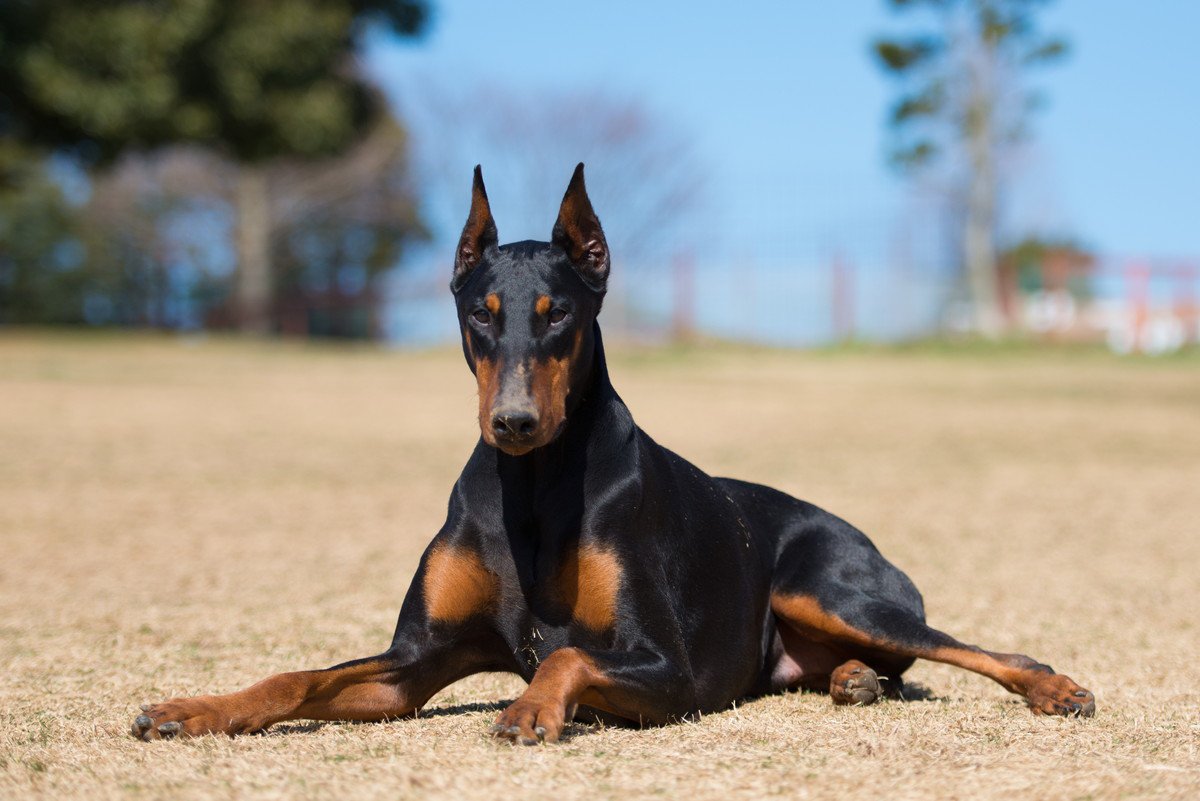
[
  {"x": 963, "y": 103},
  {"x": 256, "y": 80}
]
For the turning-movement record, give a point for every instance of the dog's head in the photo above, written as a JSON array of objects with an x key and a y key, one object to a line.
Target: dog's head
[{"x": 526, "y": 311}]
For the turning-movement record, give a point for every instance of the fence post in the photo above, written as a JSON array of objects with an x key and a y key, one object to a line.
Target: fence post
[
  {"x": 683, "y": 316},
  {"x": 843, "y": 299},
  {"x": 1186, "y": 307},
  {"x": 1137, "y": 276}
]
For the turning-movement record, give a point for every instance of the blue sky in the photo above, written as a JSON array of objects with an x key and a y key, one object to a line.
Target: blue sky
[{"x": 786, "y": 108}]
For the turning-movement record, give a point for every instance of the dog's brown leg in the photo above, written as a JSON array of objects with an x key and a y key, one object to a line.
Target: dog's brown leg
[
  {"x": 437, "y": 642},
  {"x": 637, "y": 686},
  {"x": 373, "y": 689},
  {"x": 880, "y": 628},
  {"x": 1046, "y": 692}
]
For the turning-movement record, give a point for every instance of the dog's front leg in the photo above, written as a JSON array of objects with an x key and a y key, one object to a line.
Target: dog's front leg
[
  {"x": 437, "y": 642},
  {"x": 641, "y": 686},
  {"x": 391, "y": 685}
]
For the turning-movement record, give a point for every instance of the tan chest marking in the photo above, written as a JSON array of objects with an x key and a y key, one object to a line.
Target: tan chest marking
[
  {"x": 587, "y": 582},
  {"x": 457, "y": 585}
]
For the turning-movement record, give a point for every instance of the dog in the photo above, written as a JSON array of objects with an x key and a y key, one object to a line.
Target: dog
[{"x": 612, "y": 575}]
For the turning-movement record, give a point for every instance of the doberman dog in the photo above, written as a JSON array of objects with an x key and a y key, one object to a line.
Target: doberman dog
[{"x": 605, "y": 570}]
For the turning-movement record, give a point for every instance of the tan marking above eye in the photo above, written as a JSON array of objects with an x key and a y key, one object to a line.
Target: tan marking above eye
[
  {"x": 543, "y": 305},
  {"x": 492, "y": 301},
  {"x": 588, "y": 582},
  {"x": 457, "y": 585}
]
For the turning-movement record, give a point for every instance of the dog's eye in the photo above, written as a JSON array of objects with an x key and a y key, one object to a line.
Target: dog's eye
[
  {"x": 482, "y": 316},
  {"x": 557, "y": 316}
]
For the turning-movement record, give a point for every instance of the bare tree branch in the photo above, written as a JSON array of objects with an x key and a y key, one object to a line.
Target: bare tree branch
[{"x": 643, "y": 174}]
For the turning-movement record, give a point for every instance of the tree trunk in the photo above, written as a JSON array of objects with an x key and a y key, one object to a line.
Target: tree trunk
[
  {"x": 979, "y": 238},
  {"x": 253, "y": 292},
  {"x": 979, "y": 252}
]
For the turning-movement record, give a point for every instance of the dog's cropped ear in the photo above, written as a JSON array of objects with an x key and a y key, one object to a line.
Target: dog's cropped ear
[
  {"x": 578, "y": 232},
  {"x": 478, "y": 234}
]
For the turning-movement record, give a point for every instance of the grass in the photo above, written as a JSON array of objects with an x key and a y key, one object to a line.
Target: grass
[{"x": 189, "y": 516}]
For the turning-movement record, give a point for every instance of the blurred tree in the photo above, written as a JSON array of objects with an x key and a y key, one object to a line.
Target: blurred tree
[
  {"x": 962, "y": 105},
  {"x": 40, "y": 250},
  {"x": 157, "y": 227},
  {"x": 643, "y": 174},
  {"x": 160, "y": 226},
  {"x": 342, "y": 222},
  {"x": 255, "y": 80}
]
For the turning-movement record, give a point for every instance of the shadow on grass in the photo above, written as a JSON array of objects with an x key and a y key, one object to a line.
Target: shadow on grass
[
  {"x": 911, "y": 691},
  {"x": 906, "y": 692},
  {"x": 586, "y": 721},
  {"x": 308, "y": 727},
  {"x": 463, "y": 709}
]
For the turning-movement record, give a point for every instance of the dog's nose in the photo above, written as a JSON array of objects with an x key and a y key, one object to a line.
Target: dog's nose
[{"x": 514, "y": 423}]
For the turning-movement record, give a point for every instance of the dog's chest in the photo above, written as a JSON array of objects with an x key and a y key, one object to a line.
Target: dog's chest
[
  {"x": 568, "y": 597},
  {"x": 575, "y": 589},
  {"x": 581, "y": 585}
]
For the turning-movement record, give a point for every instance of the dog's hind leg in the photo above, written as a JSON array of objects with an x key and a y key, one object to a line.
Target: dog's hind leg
[
  {"x": 881, "y": 630},
  {"x": 832, "y": 587}
]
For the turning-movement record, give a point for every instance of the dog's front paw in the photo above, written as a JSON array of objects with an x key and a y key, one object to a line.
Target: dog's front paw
[
  {"x": 531, "y": 720},
  {"x": 191, "y": 717},
  {"x": 1058, "y": 695}
]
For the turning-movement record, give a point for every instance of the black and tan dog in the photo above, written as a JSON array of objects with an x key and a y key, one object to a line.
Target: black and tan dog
[{"x": 605, "y": 570}]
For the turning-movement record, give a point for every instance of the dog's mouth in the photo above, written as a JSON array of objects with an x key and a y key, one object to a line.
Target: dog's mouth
[
  {"x": 515, "y": 448},
  {"x": 520, "y": 444}
]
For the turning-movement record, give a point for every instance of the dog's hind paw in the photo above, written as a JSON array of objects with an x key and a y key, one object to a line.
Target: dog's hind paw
[
  {"x": 1056, "y": 694},
  {"x": 855, "y": 683}
]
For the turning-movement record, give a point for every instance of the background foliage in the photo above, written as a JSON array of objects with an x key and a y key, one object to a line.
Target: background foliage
[{"x": 259, "y": 92}]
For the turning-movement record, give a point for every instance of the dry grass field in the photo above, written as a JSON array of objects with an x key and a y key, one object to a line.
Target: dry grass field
[{"x": 187, "y": 516}]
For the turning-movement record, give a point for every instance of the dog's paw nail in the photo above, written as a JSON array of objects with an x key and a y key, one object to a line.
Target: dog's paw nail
[
  {"x": 540, "y": 731},
  {"x": 1081, "y": 694},
  {"x": 170, "y": 729}
]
